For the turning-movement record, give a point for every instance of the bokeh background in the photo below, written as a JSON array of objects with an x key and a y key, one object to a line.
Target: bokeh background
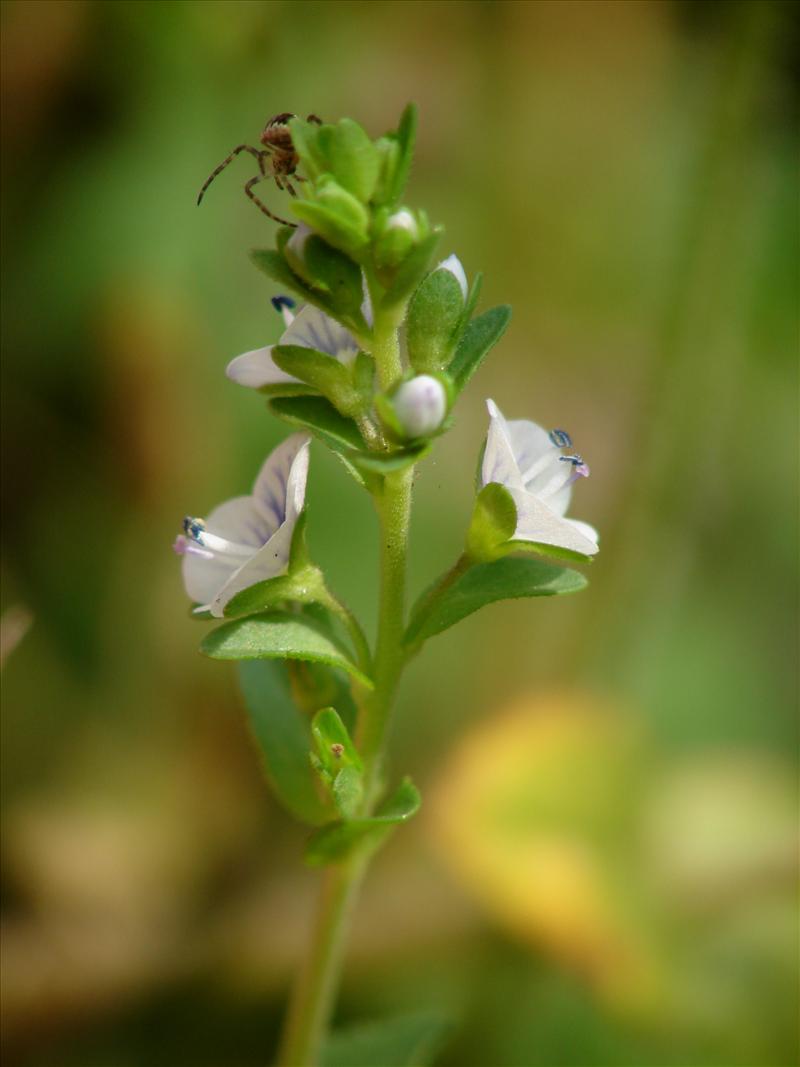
[{"x": 604, "y": 872}]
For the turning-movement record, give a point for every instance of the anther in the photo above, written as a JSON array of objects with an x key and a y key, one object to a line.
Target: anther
[
  {"x": 560, "y": 438},
  {"x": 337, "y": 750},
  {"x": 281, "y": 302},
  {"x": 193, "y": 528},
  {"x": 574, "y": 459}
]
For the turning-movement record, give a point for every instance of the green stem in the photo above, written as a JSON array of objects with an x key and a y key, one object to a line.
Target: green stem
[
  {"x": 312, "y": 1002},
  {"x": 314, "y": 994}
]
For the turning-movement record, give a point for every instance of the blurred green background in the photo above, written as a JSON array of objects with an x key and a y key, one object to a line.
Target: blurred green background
[{"x": 604, "y": 872}]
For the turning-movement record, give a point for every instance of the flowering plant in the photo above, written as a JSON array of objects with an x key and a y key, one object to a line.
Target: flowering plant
[{"x": 319, "y": 695}]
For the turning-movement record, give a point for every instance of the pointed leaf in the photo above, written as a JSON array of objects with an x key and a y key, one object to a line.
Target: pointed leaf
[
  {"x": 321, "y": 418},
  {"x": 333, "y": 842},
  {"x": 479, "y": 337},
  {"x": 502, "y": 579},
  {"x": 278, "y": 635},
  {"x": 282, "y": 735},
  {"x": 411, "y": 1040},
  {"x": 274, "y": 265}
]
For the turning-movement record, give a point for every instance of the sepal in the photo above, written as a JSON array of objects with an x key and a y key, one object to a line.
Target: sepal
[
  {"x": 435, "y": 315},
  {"x": 336, "y": 215},
  {"x": 326, "y": 269},
  {"x": 337, "y": 762},
  {"x": 336, "y": 841},
  {"x": 494, "y": 520}
]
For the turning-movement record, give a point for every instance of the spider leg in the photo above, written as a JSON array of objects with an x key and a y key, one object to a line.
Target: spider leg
[
  {"x": 259, "y": 156},
  {"x": 290, "y": 189},
  {"x": 314, "y": 118},
  {"x": 263, "y": 207}
]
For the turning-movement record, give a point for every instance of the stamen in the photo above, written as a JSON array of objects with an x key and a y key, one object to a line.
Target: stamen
[
  {"x": 184, "y": 547},
  {"x": 574, "y": 459},
  {"x": 193, "y": 528},
  {"x": 560, "y": 438},
  {"x": 284, "y": 304}
]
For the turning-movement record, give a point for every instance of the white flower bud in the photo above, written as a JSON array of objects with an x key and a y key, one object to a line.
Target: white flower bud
[
  {"x": 403, "y": 220},
  {"x": 420, "y": 406},
  {"x": 295, "y": 250}
]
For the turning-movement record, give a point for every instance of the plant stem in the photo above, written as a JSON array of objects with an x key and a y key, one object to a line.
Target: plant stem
[{"x": 314, "y": 994}]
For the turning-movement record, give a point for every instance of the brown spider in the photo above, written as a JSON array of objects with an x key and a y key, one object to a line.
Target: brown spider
[{"x": 277, "y": 159}]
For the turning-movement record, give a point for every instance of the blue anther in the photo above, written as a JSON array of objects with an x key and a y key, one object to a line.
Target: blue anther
[
  {"x": 281, "y": 302},
  {"x": 575, "y": 460},
  {"x": 560, "y": 438},
  {"x": 193, "y": 528}
]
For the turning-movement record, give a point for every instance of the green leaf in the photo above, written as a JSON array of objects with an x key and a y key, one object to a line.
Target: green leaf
[
  {"x": 278, "y": 635},
  {"x": 318, "y": 415},
  {"x": 406, "y": 138},
  {"x": 319, "y": 369},
  {"x": 385, "y": 462},
  {"x": 335, "y": 214},
  {"x": 479, "y": 337},
  {"x": 335, "y": 841},
  {"x": 502, "y": 579},
  {"x": 334, "y": 745},
  {"x": 494, "y": 520},
  {"x": 274, "y": 265},
  {"x": 411, "y": 1040},
  {"x": 434, "y": 314},
  {"x": 282, "y": 735},
  {"x": 354, "y": 159},
  {"x": 348, "y": 792},
  {"x": 411, "y": 270}
]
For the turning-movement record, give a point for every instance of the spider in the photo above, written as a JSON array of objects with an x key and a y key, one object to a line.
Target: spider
[{"x": 277, "y": 159}]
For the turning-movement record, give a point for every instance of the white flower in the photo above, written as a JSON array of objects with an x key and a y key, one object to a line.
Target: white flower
[
  {"x": 310, "y": 328},
  {"x": 454, "y": 265},
  {"x": 529, "y": 462},
  {"x": 420, "y": 405},
  {"x": 403, "y": 220},
  {"x": 249, "y": 538}
]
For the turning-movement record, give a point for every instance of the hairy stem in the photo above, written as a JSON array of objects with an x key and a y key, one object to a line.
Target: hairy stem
[{"x": 314, "y": 995}]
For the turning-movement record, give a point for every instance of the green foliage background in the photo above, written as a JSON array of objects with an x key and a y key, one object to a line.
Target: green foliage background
[{"x": 624, "y": 175}]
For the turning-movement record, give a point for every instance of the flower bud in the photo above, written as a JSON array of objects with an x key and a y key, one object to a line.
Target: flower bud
[
  {"x": 335, "y": 214},
  {"x": 434, "y": 316},
  {"x": 396, "y": 238},
  {"x": 419, "y": 406},
  {"x": 325, "y": 268}
]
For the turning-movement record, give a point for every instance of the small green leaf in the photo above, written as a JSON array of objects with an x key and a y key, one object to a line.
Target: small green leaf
[
  {"x": 283, "y": 738},
  {"x": 278, "y": 635},
  {"x": 385, "y": 462},
  {"x": 318, "y": 415},
  {"x": 434, "y": 314},
  {"x": 334, "y": 842},
  {"x": 411, "y": 270},
  {"x": 411, "y": 1040},
  {"x": 348, "y": 792},
  {"x": 502, "y": 579},
  {"x": 493, "y": 523},
  {"x": 324, "y": 372},
  {"x": 479, "y": 337},
  {"x": 354, "y": 159},
  {"x": 335, "y": 214},
  {"x": 406, "y": 138},
  {"x": 334, "y": 746}
]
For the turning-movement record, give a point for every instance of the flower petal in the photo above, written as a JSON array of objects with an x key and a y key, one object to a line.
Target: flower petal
[
  {"x": 280, "y": 487},
  {"x": 271, "y": 561},
  {"x": 203, "y": 578},
  {"x": 538, "y": 523},
  {"x": 499, "y": 464},
  {"x": 312, "y": 328},
  {"x": 242, "y": 521},
  {"x": 256, "y": 369}
]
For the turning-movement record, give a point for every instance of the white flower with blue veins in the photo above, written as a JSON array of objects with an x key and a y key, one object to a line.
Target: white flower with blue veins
[
  {"x": 534, "y": 467},
  {"x": 247, "y": 539},
  {"x": 309, "y": 328}
]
